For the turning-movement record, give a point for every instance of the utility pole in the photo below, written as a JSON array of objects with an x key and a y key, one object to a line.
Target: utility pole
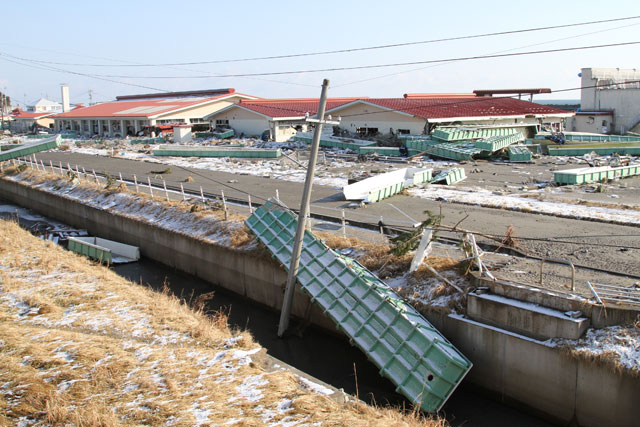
[
  {"x": 90, "y": 97},
  {"x": 302, "y": 216}
]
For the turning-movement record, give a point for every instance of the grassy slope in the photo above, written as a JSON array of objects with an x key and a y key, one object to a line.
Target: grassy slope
[{"x": 81, "y": 345}]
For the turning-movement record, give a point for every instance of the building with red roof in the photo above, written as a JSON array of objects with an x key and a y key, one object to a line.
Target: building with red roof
[
  {"x": 417, "y": 114},
  {"x": 130, "y": 114},
  {"x": 413, "y": 114},
  {"x": 23, "y": 121},
  {"x": 281, "y": 118}
]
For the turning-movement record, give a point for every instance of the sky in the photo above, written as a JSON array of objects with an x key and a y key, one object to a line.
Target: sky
[{"x": 97, "y": 45}]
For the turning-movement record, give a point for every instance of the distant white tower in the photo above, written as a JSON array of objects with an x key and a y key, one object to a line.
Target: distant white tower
[{"x": 65, "y": 98}]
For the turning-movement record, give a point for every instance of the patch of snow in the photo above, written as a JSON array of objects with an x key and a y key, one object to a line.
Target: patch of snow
[
  {"x": 201, "y": 415},
  {"x": 249, "y": 389},
  {"x": 314, "y": 387},
  {"x": 482, "y": 197}
]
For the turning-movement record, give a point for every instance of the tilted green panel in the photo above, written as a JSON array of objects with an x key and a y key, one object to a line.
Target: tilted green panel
[
  {"x": 459, "y": 135},
  {"x": 519, "y": 154},
  {"x": 588, "y": 175},
  {"x": 496, "y": 143},
  {"x": 450, "y": 176},
  {"x": 454, "y": 151},
  {"x": 69, "y": 135},
  {"x": 27, "y": 149},
  {"x": 424, "y": 366},
  {"x": 90, "y": 251},
  {"x": 385, "y": 151},
  {"x": 7, "y": 147},
  {"x": 421, "y": 145}
]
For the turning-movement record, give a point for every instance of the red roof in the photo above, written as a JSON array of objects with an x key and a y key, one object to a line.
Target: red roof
[
  {"x": 296, "y": 107},
  {"x": 463, "y": 107},
  {"x": 21, "y": 114},
  {"x": 145, "y": 108}
]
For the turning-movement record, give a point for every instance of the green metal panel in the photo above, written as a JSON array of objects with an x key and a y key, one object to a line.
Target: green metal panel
[
  {"x": 385, "y": 151},
  {"x": 422, "y": 363},
  {"x": 421, "y": 145},
  {"x": 597, "y": 174},
  {"x": 330, "y": 143},
  {"x": 224, "y": 135},
  {"x": 446, "y": 134},
  {"x": 450, "y": 176},
  {"x": 156, "y": 140},
  {"x": 496, "y": 143},
  {"x": 34, "y": 147},
  {"x": 236, "y": 152},
  {"x": 91, "y": 251},
  {"x": 519, "y": 154},
  {"x": 601, "y": 138},
  {"x": 454, "y": 151},
  {"x": 7, "y": 147},
  {"x": 603, "y": 149},
  {"x": 39, "y": 136},
  {"x": 203, "y": 134}
]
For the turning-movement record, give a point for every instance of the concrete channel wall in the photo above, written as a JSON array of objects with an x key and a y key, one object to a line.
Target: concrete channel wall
[{"x": 514, "y": 368}]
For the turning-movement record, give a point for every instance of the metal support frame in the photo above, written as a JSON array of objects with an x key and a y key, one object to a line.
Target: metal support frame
[{"x": 560, "y": 261}]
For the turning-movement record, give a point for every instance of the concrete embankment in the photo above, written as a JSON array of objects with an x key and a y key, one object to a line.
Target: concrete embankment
[{"x": 514, "y": 368}]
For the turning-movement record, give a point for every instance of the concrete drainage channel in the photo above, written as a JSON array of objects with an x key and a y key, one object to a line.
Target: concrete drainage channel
[{"x": 512, "y": 366}]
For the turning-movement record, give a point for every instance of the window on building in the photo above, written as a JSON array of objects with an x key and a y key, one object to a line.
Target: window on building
[
  {"x": 222, "y": 123},
  {"x": 604, "y": 123},
  {"x": 404, "y": 131},
  {"x": 364, "y": 131}
]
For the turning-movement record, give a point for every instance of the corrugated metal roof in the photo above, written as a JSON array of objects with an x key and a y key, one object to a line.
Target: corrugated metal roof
[
  {"x": 453, "y": 107},
  {"x": 141, "y": 108}
]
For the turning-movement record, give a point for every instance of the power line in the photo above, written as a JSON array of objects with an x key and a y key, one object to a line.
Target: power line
[
  {"x": 351, "y": 50},
  {"x": 48, "y": 68},
  {"x": 358, "y": 67}
]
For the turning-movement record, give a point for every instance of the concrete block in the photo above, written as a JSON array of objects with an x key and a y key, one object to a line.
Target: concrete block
[{"x": 524, "y": 318}]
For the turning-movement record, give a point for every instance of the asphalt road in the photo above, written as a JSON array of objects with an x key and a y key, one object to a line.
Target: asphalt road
[{"x": 601, "y": 245}]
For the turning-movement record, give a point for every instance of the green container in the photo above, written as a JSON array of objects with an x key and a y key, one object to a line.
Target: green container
[
  {"x": 602, "y": 149},
  {"x": 450, "y": 176},
  {"x": 408, "y": 350},
  {"x": 203, "y": 134}
]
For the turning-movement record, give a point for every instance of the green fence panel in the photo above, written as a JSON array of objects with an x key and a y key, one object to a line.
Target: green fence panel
[
  {"x": 421, "y": 362},
  {"x": 236, "y": 152},
  {"x": 454, "y": 151}
]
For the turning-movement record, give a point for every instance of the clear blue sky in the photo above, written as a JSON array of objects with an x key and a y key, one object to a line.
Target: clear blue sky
[{"x": 151, "y": 32}]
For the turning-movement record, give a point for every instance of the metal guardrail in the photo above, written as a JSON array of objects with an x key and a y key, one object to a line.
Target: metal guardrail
[{"x": 560, "y": 261}]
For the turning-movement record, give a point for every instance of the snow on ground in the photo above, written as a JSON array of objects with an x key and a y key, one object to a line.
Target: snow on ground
[
  {"x": 481, "y": 197},
  {"x": 623, "y": 343},
  {"x": 325, "y": 176},
  {"x": 174, "y": 218}
]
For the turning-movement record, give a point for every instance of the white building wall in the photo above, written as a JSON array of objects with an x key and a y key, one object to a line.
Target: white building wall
[
  {"x": 368, "y": 116},
  {"x": 243, "y": 122},
  {"x": 624, "y": 100}
]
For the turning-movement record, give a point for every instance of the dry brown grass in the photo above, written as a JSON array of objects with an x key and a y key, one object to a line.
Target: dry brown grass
[{"x": 81, "y": 346}]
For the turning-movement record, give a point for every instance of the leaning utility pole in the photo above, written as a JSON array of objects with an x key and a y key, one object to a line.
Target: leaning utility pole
[{"x": 302, "y": 216}]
